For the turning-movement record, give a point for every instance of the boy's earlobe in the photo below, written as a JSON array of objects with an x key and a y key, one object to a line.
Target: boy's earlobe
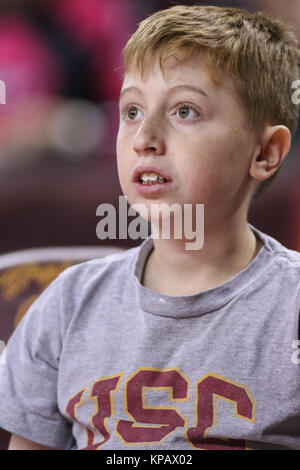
[{"x": 275, "y": 146}]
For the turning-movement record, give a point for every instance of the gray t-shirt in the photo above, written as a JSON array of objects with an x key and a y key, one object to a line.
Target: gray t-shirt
[{"x": 101, "y": 362}]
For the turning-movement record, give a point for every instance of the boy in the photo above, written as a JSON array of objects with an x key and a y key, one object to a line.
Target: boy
[{"x": 161, "y": 347}]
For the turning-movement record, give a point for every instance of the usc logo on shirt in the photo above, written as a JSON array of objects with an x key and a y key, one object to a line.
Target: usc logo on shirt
[{"x": 162, "y": 420}]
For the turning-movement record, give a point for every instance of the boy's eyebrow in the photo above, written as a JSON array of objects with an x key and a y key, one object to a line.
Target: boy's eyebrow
[
  {"x": 175, "y": 88},
  {"x": 130, "y": 88},
  {"x": 189, "y": 87}
]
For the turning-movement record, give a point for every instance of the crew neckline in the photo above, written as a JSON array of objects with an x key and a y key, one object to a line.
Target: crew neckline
[{"x": 201, "y": 302}]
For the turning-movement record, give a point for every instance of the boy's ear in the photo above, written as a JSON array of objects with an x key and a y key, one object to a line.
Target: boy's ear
[{"x": 274, "y": 147}]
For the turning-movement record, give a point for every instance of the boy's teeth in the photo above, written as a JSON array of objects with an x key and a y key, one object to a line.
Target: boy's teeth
[{"x": 149, "y": 178}]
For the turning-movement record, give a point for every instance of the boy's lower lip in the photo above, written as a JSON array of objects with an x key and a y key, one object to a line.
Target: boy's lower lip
[{"x": 155, "y": 188}]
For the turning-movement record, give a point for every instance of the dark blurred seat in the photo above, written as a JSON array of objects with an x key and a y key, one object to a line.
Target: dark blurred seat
[
  {"x": 55, "y": 205},
  {"x": 24, "y": 275}
]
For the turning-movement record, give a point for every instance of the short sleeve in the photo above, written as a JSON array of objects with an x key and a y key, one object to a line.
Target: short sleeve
[{"x": 29, "y": 374}]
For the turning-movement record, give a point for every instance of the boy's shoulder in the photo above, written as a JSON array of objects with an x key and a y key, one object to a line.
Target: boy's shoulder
[
  {"x": 280, "y": 252},
  {"x": 75, "y": 286},
  {"x": 122, "y": 262},
  {"x": 280, "y": 265}
]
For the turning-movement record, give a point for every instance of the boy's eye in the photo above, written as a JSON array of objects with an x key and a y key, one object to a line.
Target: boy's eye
[
  {"x": 130, "y": 114},
  {"x": 185, "y": 111}
]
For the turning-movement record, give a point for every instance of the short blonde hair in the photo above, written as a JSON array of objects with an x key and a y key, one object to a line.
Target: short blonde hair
[{"x": 260, "y": 54}]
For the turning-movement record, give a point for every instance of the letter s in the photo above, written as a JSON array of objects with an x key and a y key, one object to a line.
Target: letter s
[{"x": 162, "y": 420}]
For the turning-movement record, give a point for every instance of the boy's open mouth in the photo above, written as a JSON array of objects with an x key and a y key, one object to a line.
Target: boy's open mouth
[
  {"x": 152, "y": 178},
  {"x": 148, "y": 176}
]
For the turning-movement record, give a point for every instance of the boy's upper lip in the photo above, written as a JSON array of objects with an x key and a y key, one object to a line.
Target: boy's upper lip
[{"x": 140, "y": 169}]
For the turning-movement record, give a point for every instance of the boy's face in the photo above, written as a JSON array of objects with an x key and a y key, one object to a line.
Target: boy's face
[{"x": 190, "y": 129}]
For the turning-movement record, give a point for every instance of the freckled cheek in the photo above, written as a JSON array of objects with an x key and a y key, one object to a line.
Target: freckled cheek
[
  {"x": 123, "y": 163},
  {"x": 202, "y": 173},
  {"x": 202, "y": 188}
]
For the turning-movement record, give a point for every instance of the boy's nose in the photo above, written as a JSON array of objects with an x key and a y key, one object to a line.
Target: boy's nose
[{"x": 149, "y": 139}]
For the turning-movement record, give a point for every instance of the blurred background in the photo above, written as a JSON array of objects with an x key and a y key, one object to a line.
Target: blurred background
[{"x": 62, "y": 65}]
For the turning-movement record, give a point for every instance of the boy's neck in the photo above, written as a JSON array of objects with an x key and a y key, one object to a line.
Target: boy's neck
[{"x": 172, "y": 270}]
